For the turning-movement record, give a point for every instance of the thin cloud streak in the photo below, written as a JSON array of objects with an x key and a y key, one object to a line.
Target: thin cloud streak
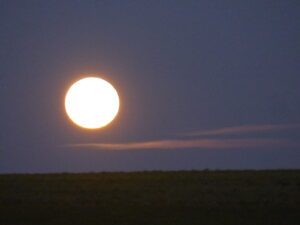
[
  {"x": 243, "y": 129},
  {"x": 200, "y": 143}
]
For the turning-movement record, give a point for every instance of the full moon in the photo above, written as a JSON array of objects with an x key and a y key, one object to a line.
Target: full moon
[{"x": 92, "y": 102}]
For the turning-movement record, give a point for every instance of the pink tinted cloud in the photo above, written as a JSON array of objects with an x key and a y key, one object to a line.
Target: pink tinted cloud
[
  {"x": 243, "y": 129},
  {"x": 200, "y": 143}
]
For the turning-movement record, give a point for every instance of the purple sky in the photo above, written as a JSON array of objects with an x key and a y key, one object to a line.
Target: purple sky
[{"x": 203, "y": 84}]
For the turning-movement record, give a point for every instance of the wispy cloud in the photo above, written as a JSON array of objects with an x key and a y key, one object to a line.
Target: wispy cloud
[
  {"x": 242, "y": 129},
  {"x": 200, "y": 143}
]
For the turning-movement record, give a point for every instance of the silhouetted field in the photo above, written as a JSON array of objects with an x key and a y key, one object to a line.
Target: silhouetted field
[{"x": 152, "y": 198}]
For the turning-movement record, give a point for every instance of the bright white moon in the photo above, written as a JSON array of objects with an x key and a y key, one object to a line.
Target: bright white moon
[{"x": 92, "y": 102}]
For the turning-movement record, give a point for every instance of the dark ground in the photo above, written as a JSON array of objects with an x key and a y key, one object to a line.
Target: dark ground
[{"x": 142, "y": 198}]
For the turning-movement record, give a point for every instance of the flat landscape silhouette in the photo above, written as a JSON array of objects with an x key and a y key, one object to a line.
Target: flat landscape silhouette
[{"x": 154, "y": 198}]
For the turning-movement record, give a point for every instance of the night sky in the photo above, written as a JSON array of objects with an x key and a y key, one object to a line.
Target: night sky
[{"x": 203, "y": 84}]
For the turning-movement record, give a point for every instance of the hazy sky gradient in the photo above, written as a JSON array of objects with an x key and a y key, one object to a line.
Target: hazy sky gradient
[{"x": 226, "y": 70}]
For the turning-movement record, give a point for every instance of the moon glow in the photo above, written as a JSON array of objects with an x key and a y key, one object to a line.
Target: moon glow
[{"x": 92, "y": 103}]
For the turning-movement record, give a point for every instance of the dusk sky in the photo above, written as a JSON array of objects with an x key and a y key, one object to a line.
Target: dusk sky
[{"x": 203, "y": 84}]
